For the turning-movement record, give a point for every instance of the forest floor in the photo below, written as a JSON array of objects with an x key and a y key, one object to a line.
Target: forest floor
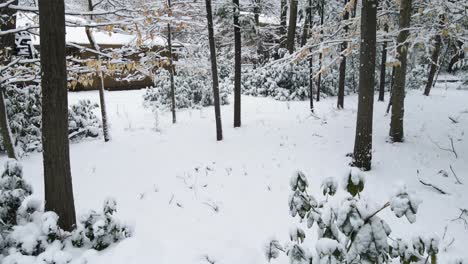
[{"x": 192, "y": 199}]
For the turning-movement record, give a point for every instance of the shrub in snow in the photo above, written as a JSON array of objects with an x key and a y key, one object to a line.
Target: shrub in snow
[
  {"x": 24, "y": 110},
  {"x": 30, "y": 235},
  {"x": 351, "y": 232},
  {"x": 82, "y": 120},
  {"x": 13, "y": 191},
  {"x": 417, "y": 77},
  {"x": 192, "y": 90},
  {"x": 286, "y": 81}
]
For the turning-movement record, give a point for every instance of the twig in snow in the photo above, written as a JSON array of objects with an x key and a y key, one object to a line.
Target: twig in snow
[
  {"x": 172, "y": 198},
  {"x": 449, "y": 244},
  {"x": 213, "y": 206},
  {"x": 446, "y": 149},
  {"x": 455, "y": 121},
  {"x": 463, "y": 215},
  {"x": 209, "y": 260},
  {"x": 433, "y": 186},
  {"x": 455, "y": 175}
]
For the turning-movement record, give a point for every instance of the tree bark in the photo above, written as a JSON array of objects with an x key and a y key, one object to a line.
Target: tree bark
[
  {"x": 56, "y": 155},
  {"x": 363, "y": 139},
  {"x": 238, "y": 65},
  {"x": 292, "y": 26},
  {"x": 7, "y": 44},
  {"x": 342, "y": 79},
  {"x": 283, "y": 17},
  {"x": 256, "y": 12},
  {"x": 398, "y": 97},
  {"x": 319, "y": 81},
  {"x": 311, "y": 65},
  {"x": 214, "y": 71},
  {"x": 434, "y": 61},
  {"x": 102, "y": 100},
  {"x": 382, "y": 68},
  {"x": 171, "y": 73}
]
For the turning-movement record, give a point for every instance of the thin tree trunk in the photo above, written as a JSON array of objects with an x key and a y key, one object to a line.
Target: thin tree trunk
[
  {"x": 237, "y": 66},
  {"x": 382, "y": 68},
  {"x": 292, "y": 26},
  {"x": 5, "y": 128},
  {"x": 171, "y": 73},
  {"x": 214, "y": 71},
  {"x": 7, "y": 45},
  {"x": 319, "y": 81},
  {"x": 434, "y": 61},
  {"x": 256, "y": 12},
  {"x": 102, "y": 100},
  {"x": 363, "y": 139},
  {"x": 171, "y": 68},
  {"x": 311, "y": 65},
  {"x": 283, "y": 26},
  {"x": 391, "y": 90},
  {"x": 398, "y": 100},
  {"x": 342, "y": 80},
  {"x": 56, "y": 155}
]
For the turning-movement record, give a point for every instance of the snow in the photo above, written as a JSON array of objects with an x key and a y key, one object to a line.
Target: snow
[{"x": 193, "y": 199}]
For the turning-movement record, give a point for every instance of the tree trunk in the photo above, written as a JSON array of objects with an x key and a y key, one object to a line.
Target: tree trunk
[
  {"x": 283, "y": 17},
  {"x": 256, "y": 12},
  {"x": 292, "y": 26},
  {"x": 171, "y": 73},
  {"x": 311, "y": 65},
  {"x": 398, "y": 97},
  {"x": 7, "y": 44},
  {"x": 319, "y": 81},
  {"x": 342, "y": 80},
  {"x": 382, "y": 68},
  {"x": 237, "y": 66},
  {"x": 214, "y": 71},
  {"x": 434, "y": 61},
  {"x": 391, "y": 90},
  {"x": 363, "y": 139},
  {"x": 102, "y": 100},
  {"x": 56, "y": 156}
]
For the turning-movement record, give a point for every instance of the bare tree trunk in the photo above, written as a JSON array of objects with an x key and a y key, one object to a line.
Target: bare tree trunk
[
  {"x": 311, "y": 65},
  {"x": 434, "y": 61},
  {"x": 292, "y": 26},
  {"x": 56, "y": 155},
  {"x": 319, "y": 81},
  {"x": 391, "y": 90},
  {"x": 102, "y": 100},
  {"x": 238, "y": 65},
  {"x": 171, "y": 68},
  {"x": 256, "y": 12},
  {"x": 283, "y": 17},
  {"x": 382, "y": 68},
  {"x": 214, "y": 71},
  {"x": 363, "y": 139},
  {"x": 171, "y": 73},
  {"x": 5, "y": 128},
  {"x": 7, "y": 45},
  {"x": 342, "y": 80},
  {"x": 398, "y": 97}
]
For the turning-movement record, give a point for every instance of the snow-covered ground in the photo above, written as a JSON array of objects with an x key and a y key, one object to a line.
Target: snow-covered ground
[{"x": 194, "y": 200}]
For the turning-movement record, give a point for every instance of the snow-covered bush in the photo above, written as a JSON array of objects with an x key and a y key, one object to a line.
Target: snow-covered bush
[
  {"x": 24, "y": 110},
  {"x": 349, "y": 230},
  {"x": 82, "y": 120},
  {"x": 192, "y": 90},
  {"x": 283, "y": 82},
  {"x": 30, "y": 235},
  {"x": 417, "y": 77}
]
